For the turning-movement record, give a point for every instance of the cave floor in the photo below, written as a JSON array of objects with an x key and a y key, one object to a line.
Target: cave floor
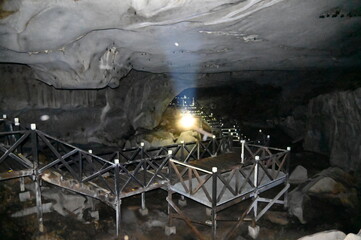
[
  {"x": 147, "y": 227},
  {"x": 151, "y": 226}
]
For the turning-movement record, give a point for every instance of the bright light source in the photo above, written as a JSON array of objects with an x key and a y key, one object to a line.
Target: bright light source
[
  {"x": 187, "y": 121},
  {"x": 176, "y": 44},
  {"x": 44, "y": 117}
]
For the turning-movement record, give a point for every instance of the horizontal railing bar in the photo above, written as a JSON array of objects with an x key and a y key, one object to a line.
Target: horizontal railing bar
[
  {"x": 271, "y": 148},
  {"x": 13, "y": 132},
  {"x": 190, "y": 166},
  {"x": 74, "y": 147},
  {"x": 143, "y": 159},
  {"x": 98, "y": 173}
]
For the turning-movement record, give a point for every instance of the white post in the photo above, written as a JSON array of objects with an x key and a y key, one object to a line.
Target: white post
[
  {"x": 242, "y": 151},
  {"x": 214, "y": 202},
  {"x": 16, "y": 121},
  {"x": 256, "y": 172}
]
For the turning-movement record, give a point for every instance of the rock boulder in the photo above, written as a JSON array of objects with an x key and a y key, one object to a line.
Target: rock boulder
[
  {"x": 326, "y": 235},
  {"x": 334, "y": 128}
]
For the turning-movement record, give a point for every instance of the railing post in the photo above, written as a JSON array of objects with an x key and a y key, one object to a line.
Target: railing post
[
  {"x": 14, "y": 128},
  {"x": 288, "y": 161},
  {"x": 34, "y": 147},
  {"x": 214, "y": 202},
  {"x": 143, "y": 211},
  {"x": 170, "y": 154},
  {"x": 143, "y": 201},
  {"x": 89, "y": 157},
  {"x": 231, "y": 142},
  {"x": 6, "y": 127},
  {"x": 287, "y": 175},
  {"x": 80, "y": 166},
  {"x": 256, "y": 158},
  {"x": 268, "y": 140},
  {"x": 144, "y": 164},
  {"x": 182, "y": 151},
  {"x": 118, "y": 201},
  {"x": 17, "y": 123},
  {"x": 214, "y": 150},
  {"x": 255, "y": 210},
  {"x": 198, "y": 149},
  {"x": 242, "y": 150}
]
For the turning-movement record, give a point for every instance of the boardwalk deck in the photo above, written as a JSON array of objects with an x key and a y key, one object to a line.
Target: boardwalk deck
[
  {"x": 221, "y": 181},
  {"x": 225, "y": 163},
  {"x": 204, "y": 171}
]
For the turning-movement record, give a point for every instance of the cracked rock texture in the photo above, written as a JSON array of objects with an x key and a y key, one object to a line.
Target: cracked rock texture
[
  {"x": 93, "y": 44},
  {"x": 334, "y": 128},
  {"x": 107, "y": 116},
  {"x": 102, "y": 116}
]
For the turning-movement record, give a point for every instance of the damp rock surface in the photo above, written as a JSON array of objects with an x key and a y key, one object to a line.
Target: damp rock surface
[
  {"x": 331, "y": 188},
  {"x": 98, "y": 43},
  {"x": 327, "y": 235},
  {"x": 333, "y": 128}
]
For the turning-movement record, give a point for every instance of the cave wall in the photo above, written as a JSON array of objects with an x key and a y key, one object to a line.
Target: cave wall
[
  {"x": 106, "y": 116},
  {"x": 330, "y": 126},
  {"x": 322, "y": 109},
  {"x": 334, "y": 128},
  {"x": 21, "y": 91}
]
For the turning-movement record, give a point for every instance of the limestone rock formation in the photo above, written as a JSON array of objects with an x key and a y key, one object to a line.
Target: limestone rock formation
[
  {"x": 331, "y": 186},
  {"x": 277, "y": 217},
  {"x": 352, "y": 236},
  {"x": 326, "y": 235},
  {"x": 94, "y": 44},
  {"x": 332, "y": 235},
  {"x": 298, "y": 175},
  {"x": 104, "y": 116},
  {"x": 187, "y": 136},
  {"x": 334, "y": 128}
]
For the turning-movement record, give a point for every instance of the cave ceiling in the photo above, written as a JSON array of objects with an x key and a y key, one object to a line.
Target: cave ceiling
[{"x": 94, "y": 44}]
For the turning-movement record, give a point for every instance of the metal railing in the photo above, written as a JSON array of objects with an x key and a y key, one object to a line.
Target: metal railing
[
  {"x": 260, "y": 163},
  {"x": 260, "y": 169},
  {"x": 32, "y": 153},
  {"x": 183, "y": 152}
]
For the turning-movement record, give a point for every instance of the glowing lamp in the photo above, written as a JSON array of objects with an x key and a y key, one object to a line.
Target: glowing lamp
[{"x": 187, "y": 121}]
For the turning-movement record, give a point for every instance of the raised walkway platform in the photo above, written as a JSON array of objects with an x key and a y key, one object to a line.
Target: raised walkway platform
[{"x": 204, "y": 171}]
